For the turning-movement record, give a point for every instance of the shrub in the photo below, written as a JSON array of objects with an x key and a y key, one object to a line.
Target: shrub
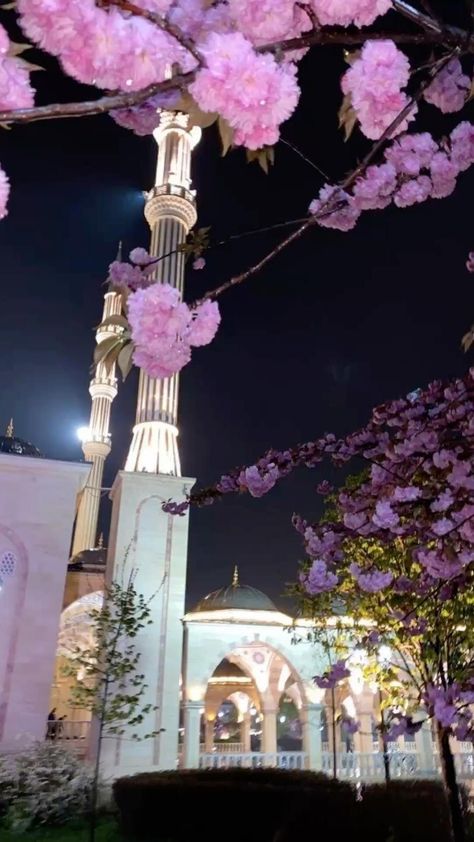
[
  {"x": 235, "y": 804},
  {"x": 408, "y": 810},
  {"x": 44, "y": 784}
]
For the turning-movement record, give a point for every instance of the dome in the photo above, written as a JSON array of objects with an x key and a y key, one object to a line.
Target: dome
[
  {"x": 96, "y": 557},
  {"x": 236, "y": 596},
  {"x": 15, "y": 446}
]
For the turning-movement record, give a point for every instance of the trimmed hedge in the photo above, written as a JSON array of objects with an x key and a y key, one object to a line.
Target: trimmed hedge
[
  {"x": 275, "y": 805},
  {"x": 235, "y": 805}
]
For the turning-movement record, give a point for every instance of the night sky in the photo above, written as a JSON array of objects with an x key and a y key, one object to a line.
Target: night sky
[{"x": 338, "y": 323}]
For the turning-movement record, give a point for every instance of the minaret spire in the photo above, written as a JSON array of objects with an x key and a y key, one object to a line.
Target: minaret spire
[
  {"x": 235, "y": 577},
  {"x": 170, "y": 211},
  {"x": 97, "y": 443},
  {"x": 9, "y": 430}
]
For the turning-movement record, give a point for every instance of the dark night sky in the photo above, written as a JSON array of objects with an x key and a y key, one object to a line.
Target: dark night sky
[{"x": 337, "y": 324}]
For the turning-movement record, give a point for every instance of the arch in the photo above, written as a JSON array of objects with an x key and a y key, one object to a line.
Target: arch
[{"x": 12, "y": 611}]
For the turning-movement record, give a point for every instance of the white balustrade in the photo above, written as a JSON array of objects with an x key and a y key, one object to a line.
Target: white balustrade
[
  {"x": 253, "y": 760},
  {"x": 369, "y": 766}
]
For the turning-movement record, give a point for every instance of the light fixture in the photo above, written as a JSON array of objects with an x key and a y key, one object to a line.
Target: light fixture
[{"x": 83, "y": 434}]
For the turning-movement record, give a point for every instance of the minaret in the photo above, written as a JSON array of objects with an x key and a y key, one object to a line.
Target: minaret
[
  {"x": 170, "y": 211},
  {"x": 96, "y": 442}
]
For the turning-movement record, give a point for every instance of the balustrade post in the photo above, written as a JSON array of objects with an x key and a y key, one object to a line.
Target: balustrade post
[
  {"x": 192, "y": 734},
  {"x": 312, "y": 743}
]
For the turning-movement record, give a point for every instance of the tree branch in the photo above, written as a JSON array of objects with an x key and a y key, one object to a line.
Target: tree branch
[
  {"x": 96, "y": 106},
  {"x": 331, "y": 205},
  {"x": 159, "y": 20},
  {"x": 452, "y": 36}
]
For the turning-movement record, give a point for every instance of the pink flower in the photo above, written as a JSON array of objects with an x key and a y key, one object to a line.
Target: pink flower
[
  {"x": 203, "y": 327},
  {"x": 335, "y": 209},
  {"x": 4, "y": 193},
  {"x": 384, "y": 517},
  {"x": 443, "y": 174},
  {"x": 338, "y": 672},
  {"x": 449, "y": 89},
  {"x": 345, "y": 12},
  {"x": 374, "y": 191},
  {"x": 413, "y": 191},
  {"x": 354, "y": 520},
  {"x": 140, "y": 257},
  {"x": 371, "y": 581},
  {"x": 125, "y": 275},
  {"x": 251, "y": 91},
  {"x": 411, "y": 153},
  {"x": 319, "y": 579},
  {"x": 199, "y": 263},
  {"x": 462, "y": 145},
  {"x": 258, "y": 483},
  {"x": 470, "y": 262},
  {"x": 442, "y": 526},
  {"x": 374, "y": 83},
  {"x": 164, "y": 328},
  {"x": 406, "y": 494},
  {"x": 264, "y": 21},
  {"x": 443, "y": 502}
]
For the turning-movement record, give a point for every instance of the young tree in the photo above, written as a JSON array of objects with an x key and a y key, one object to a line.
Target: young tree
[
  {"x": 234, "y": 63},
  {"x": 107, "y": 678}
]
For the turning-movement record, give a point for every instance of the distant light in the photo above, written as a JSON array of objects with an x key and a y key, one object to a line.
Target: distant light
[
  {"x": 282, "y": 719},
  {"x": 83, "y": 434},
  {"x": 253, "y": 711},
  {"x": 385, "y": 653}
]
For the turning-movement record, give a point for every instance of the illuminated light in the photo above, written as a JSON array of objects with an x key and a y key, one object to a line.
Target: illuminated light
[
  {"x": 385, "y": 653},
  {"x": 230, "y": 679},
  {"x": 282, "y": 718},
  {"x": 83, "y": 434},
  {"x": 241, "y": 615},
  {"x": 220, "y": 714},
  {"x": 196, "y": 693},
  {"x": 350, "y": 708},
  {"x": 253, "y": 711}
]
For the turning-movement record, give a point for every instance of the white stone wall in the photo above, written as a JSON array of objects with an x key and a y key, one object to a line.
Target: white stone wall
[{"x": 37, "y": 507}]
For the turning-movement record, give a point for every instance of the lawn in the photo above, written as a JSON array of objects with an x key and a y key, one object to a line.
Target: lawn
[{"x": 107, "y": 831}]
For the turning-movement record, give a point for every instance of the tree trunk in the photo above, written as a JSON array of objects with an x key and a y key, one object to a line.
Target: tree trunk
[{"x": 448, "y": 773}]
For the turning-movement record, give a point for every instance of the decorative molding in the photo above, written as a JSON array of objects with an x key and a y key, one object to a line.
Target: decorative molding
[{"x": 179, "y": 206}]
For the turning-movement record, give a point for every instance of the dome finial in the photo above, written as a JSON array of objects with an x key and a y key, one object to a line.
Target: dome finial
[
  {"x": 9, "y": 431},
  {"x": 235, "y": 577},
  {"x": 101, "y": 541}
]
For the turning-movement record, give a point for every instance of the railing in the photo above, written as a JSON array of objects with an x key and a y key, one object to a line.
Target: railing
[
  {"x": 370, "y": 766},
  {"x": 71, "y": 734},
  {"x": 253, "y": 760}
]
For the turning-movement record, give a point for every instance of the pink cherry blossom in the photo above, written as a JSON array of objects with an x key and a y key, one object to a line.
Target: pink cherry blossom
[
  {"x": 336, "y": 673},
  {"x": 335, "y": 209},
  {"x": 470, "y": 262},
  {"x": 15, "y": 87},
  {"x": 4, "y": 193},
  {"x": 140, "y": 257},
  {"x": 199, "y": 263},
  {"x": 203, "y": 327},
  {"x": 449, "y": 89},
  {"x": 319, "y": 579},
  {"x": 251, "y": 91},
  {"x": 375, "y": 189},
  {"x": 462, "y": 145},
  {"x": 384, "y": 516},
  {"x": 374, "y": 83},
  {"x": 256, "y": 482},
  {"x": 372, "y": 580},
  {"x": 345, "y": 12},
  {"x": 264, "y": 21},
  {"x": 413, "y": 191}
]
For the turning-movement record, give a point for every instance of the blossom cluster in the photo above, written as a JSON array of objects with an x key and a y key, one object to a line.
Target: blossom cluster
[
  {"x": 450, "y": 706},
  {"x": 374, "y": 83},
  {"x": 331, "y": 677},
  {"x": 420, "y": 486},
  {"x": 450, "y": 88},
  {"x": 415, "y": 169},
  {"x": 164, "y": 329}
]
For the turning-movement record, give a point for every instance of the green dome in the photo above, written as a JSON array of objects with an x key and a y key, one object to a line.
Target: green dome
[{"x": 236, "y": 596}]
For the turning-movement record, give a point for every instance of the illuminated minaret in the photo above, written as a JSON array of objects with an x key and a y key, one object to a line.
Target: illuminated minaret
[
  {"x": 96, "y": 442},
  {"x": 170, "y": 211}
]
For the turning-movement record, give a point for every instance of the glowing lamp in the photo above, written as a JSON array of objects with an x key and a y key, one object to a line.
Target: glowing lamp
[{"x": 83, "y": 434}]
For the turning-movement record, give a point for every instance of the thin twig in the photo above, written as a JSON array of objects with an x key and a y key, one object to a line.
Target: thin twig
[
  {"x": 304, "y": 158},
  {"x": 103, "y": 105},
  {"x": 331, "y": 205}
]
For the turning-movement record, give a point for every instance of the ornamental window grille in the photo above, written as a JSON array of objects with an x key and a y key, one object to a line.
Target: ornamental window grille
[{"x": 7, "y": 566}]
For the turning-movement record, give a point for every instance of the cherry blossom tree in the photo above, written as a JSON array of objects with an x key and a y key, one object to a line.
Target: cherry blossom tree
[
  {"x": 398, "y": 548},
  {"x": 235, "y": 63}
]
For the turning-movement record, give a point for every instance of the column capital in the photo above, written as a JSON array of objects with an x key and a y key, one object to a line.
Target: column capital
[
  {"x": 191, "y": 705},
  {"x": 171, "y": 201}
]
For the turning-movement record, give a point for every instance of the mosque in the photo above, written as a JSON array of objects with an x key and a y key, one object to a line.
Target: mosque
[{"x": 226, "y": 682}]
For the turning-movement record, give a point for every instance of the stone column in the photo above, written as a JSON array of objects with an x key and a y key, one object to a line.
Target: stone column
[
  {"x": 245, "y": 732},
  {"x": 37, "y": 508},
  {"x": 192, "y": 734},
  {"x": 424, "y": 748},
  {"x": 209, "y": 734},
  {"x": 269, "y": 731},
  {"x": 151, "y": 545},
  {"x": 363, "y": 739},
  {"x": 312, "y": 743}
]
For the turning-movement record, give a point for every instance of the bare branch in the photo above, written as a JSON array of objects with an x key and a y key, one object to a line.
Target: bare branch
[{"x": 96, "y": 106}]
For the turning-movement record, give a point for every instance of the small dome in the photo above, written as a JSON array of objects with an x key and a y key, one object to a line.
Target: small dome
[
  {"x": 236, "y": 596},
  {"x": 95, "y": 557},
  {"x": 18, "y": 447},
  {"x": 9, "y": 443}
]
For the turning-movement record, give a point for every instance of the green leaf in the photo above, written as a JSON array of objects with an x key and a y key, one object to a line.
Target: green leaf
[
  {"x": 265, "y": 157},
  {"x": 347, "y": 117},
  {"x": 226, "y": 133},
  {"x": 124, "y": 360}
]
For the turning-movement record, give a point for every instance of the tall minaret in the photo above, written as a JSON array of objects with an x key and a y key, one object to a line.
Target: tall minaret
[
  {"x": 96, "y": 442},
  {"x": 170, "y": 211}
]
